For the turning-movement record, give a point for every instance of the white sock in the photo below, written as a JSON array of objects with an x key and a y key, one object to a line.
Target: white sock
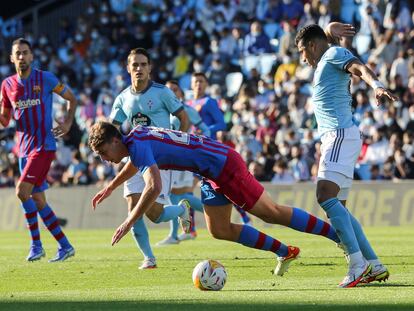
[{"x": 356, "y": 259}]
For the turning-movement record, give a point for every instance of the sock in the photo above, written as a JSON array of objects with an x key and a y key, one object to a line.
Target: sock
[
  {"x": 253, "y": 238},
  {"x": 30, "y": 212},
  {"x": 51, "y": 222},
  {"x": 169, "y": 212},
  {"x": 140, "y": 234},
  {"x": 243, "y": 214},
  {"x": 339, "y": 217},
  {"x": 356, "y": 259},
  {"x": 305, "y": 222},
  {"x": 363, "y": 242}
]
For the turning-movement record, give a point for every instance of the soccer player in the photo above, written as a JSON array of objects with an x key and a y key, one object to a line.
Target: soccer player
[
  {"x": 27, "y": 97},
  {"x": 341, "y": 144},
  {"x": 146, "y": 102},
  {"x": 211, "y": 115},
  {"x": 226, "y": 181},
  {"x": 183, "y": 182}
]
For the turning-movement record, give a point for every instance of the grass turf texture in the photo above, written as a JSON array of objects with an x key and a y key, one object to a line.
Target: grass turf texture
[{"x": 101, "y": 277}]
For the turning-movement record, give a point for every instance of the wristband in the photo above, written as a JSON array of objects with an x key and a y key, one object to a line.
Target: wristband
[{"x": 376, "y": 84}]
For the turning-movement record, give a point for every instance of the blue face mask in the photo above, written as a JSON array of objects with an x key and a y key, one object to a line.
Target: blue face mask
[{"x": 388, "y": 121}]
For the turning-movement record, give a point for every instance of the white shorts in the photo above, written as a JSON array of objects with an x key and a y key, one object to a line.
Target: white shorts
[
  {"x": 339, "y": 152},
  {"x": 136, "y": 184},
  {"x": 182, "y": 179}
]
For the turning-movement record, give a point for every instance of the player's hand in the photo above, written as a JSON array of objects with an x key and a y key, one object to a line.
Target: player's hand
[
  {"x": 121, "y": 231},
  {"x": 62, "y": 128},
  {"x": 337, "y": 30},
  {"x": 100, "y": 196},
  {"x": 382, "y": 93}
]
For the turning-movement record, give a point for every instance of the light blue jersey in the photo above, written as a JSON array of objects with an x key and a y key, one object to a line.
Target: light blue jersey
[
  {"x": 152, "y": 106},
  {"x": 194, "y": 118},
  {"x": 331, "y": 97}
]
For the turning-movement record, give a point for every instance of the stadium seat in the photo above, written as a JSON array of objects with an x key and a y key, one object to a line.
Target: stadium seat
[
  {"x": 266, "y": 63},
  {"x": 233, "y": 82},
  {"x": 249, "y": 62},
  {"x": 272, "y": 30}
]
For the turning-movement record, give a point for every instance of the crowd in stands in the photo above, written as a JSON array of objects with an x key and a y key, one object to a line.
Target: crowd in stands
[{"x": 247, "y": 50}]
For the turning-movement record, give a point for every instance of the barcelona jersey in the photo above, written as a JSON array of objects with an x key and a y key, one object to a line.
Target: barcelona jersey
[
  {"x": 30, "y": 101},
  {"x": 176, "y": 150}
]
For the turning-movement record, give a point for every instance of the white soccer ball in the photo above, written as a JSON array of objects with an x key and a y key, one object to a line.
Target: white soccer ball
[{"x": 209, "y": 275}]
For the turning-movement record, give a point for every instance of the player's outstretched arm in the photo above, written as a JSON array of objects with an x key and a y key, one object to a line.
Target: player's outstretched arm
[
  {"x": 152, "y": 190},
  {"x": 359, "y": 69},
  {"x": 334, "y": 31}
]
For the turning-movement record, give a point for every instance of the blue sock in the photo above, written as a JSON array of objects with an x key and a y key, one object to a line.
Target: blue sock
[
  {"x": 30, "y": 213},
  {"x": 195, "y": 202},
  {"x": 169, "y": 212},
  {"x": 253, "y": 238},
  {"x": 339, "y": 217},
  {"x": 363, "y": 242},
  {"x": 140, "y": 233},
  {"x": 243, "y": 214},
  {"x": 50, "y": 220},
  {"x": 305, "y": 222}
]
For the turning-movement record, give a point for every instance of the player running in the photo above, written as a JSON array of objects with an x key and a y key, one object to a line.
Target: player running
[
  {"x": 341, "y": 143},
  {"x": 146, "y": 102},
  {"x": 226, "y": 181}
]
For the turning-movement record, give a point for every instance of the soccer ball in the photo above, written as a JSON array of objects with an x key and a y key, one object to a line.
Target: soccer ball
[{"x": 209, "y": 275}]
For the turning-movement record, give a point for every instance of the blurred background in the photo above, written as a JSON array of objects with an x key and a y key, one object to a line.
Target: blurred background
[{"x": 246, "y": 48}]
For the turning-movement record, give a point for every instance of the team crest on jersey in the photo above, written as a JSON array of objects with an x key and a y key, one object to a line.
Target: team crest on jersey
[
  {"x": 36, "y": 89},
  {"x": 140, "y": 119},
  {"x": 150, "y": 104}
]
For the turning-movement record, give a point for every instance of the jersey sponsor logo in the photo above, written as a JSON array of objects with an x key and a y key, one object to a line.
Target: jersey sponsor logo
[
  {"x": 141, "y": 119},
  {"x": 36, "y": 89},
  {"x": 23, "y": 104}
]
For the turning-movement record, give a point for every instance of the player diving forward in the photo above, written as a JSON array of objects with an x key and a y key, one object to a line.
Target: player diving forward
[{"x": 226, "y": 182}]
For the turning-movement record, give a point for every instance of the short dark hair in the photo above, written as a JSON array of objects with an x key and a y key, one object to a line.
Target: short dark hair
[
  {"x": 175, "y": 82},
  {"x": 101, "y": 133},
  {"x": 141, "y": 51},
  {"x": 22, "y": 41},
  {"x": 200, "y": 74},
  {"x": 309, "y": 33}
]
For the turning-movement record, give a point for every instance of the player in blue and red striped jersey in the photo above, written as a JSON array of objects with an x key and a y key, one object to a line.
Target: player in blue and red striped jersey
[
  {"x": 211, "y": 115},
  {"x": 226, "y": 181},
  {"x": 27, "y": 97}
]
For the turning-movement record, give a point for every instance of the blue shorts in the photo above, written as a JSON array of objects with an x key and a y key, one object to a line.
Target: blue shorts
[{"x": 210, "y": 197}]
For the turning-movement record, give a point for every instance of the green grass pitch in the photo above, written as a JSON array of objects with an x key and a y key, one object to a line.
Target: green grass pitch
[{"x": 101, "y": 277}]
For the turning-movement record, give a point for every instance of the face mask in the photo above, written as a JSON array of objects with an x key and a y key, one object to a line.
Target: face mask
[
  {"x": 243, "y": 139},
  {"x": 144, "y": 18},
  {"x": 104, "y": 20},
  {"x": 162, "y": 75},
  {"x": 43, "y": 58},
  {"x": 43, "y": 41},
  {"x": 412, "y": 116},
  {"x": 261, "y": 89},
  {"x": 388, "y": 121},
  {"x": 198, "y": 67},
  {"x": 224, "y": 107},
  {"x": 199, "y": 51},
  {"x": 169, "y": 53},
  {"x": 94, "y": 35},
  {"x": 170, "y": 67},
  {"x": 90, "y": 11},
  {"x": 255, "y": 33},
  {"x": 214, "y": 48},
  {"x": 198, "y": 33},
  {"x": 264, "y": 122},
  {"x": 368, "y": 122},
  {"x": 78, "y": 38}
]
